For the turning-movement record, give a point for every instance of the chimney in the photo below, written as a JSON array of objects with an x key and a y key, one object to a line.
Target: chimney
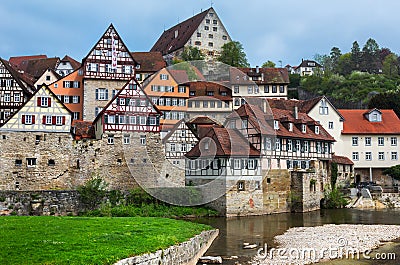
[
  {"x": 265, "y": 105},
  {"x": 257, "y": 69},
  {"x": 296, "y": 112}
]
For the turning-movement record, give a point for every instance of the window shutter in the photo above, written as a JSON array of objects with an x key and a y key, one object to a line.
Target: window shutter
[
  {"x": 53, "y": 120},
  {"x": 105, "y": 119},
  {"x": 70, "y": 99},
  {"x": 116, "y": 119},
  {"x": 64, "y": 84},
  {"x": 62, "y": 99},
  {"x": 49, "y": 102},
  {"x": 106, "y": 94},
  {"x": 33, "y": 119},
  {"x": 23, "y": 119},
  {"x": 44, "y": 119},
  {"x": 63, "y": 120},
  {"x": 97, "y": 94},
  {"x": 79, "y": 99},
  {"x": 79, "y": 84},
  {"x": 39, "y": 101}
]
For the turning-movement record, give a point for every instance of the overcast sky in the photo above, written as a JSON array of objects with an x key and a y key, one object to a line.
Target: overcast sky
[{"x": 285, "y": 31}]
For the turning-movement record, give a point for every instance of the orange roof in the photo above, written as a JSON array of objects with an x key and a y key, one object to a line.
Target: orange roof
[
  {"x": 342, "y": 160},
  {"x": 356, "y": 123},
  {"x": 149, "y": 61}
]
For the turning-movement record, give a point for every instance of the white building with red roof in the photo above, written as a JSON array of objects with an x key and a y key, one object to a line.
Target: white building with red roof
[{"x": 370, "y": 138}]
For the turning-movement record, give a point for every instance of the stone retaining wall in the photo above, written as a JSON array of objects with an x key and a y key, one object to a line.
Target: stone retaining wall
[{"x": 186, "y": 253}]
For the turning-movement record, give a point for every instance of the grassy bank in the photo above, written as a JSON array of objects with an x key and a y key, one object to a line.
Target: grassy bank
[{"x": 79, "y": 240}]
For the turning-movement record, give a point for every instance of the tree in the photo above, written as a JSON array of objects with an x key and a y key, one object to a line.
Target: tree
[
  {"x": 334, "y": 175},
  {"x": 393, "y": 171},
  {"x": 355, "y": 56},
  {"x": 344, "y": 65},
  {"x": 192, "y": 54},
  {"x": 335, "y": 55},
  {"x": 268, "y": 64},
  {"x": 391, "y": 65},
  {"x": 232, "y": 54},
  {"x": 370, "y": 56}
]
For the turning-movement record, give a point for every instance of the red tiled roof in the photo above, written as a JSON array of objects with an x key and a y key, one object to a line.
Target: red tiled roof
[
  {"x": 168, "y": 43},
  {"x": 202, "y": 88},
  {"x": 356, "y": 123},
  {"x": 342, "y": 160},
  {"x": 29, "y": 80},
  {"x": 36, "y": 67},
  {"x": 224, "y": 142},
  {"x": 75, "y": 64},
  {"x": 149, "y": 61},
  {"x": 202, "y": 120},
  {"x": 180, "y": 76},
  {"x": 271, "y": 75},
  {"x": 17, "y": 60}
]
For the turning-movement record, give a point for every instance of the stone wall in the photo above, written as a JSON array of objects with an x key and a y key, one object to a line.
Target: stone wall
[
  {"x": 306, "y": 191},
  {"x": 276, "y": 189},
  {"x": 186, "y": 253},
  {"x": 58, "y": 203},
  {"x": 64, "y": 164}
]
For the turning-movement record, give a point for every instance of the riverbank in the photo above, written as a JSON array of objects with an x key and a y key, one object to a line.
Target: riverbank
[{"x": 306, "y": 245}]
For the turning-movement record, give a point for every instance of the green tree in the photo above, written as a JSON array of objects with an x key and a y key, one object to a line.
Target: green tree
[
  {"x": 355, "y": 56},
  {"x": 335, "y": 55},
  {"x": 370, "y": 56},
  {"x": 388, "y": 100},
  {"x": 344, "y": 64},
  {"x": 268, "y": 64},
  {"x": 192, "y": 54},
  {"x": 92, "y": 193},
  {"x": 232, "y": 54},
  {"x": 326, "y": 63},
  {"x": 391, "y": 65},
  {"x": 334, "y": 175},
  {"x": 393, "y": 171}
]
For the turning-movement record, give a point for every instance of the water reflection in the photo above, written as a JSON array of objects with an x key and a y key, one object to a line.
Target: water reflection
[{"x": 262, "y": 229}]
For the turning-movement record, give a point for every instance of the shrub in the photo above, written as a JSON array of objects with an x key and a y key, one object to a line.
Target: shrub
[
  {"x": 92, "y": 193},
  {"x": 334, "y": 199}
]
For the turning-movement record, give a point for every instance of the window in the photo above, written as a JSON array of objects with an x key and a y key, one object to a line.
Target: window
[
  {"x": 393, "y": 141},
  {"x": 93, "y": 67},
  {"x": 76, "y": 84},
  {"x": 31, "y": 162},
  {"x": 210, "y": 44},
  {"x": 381, "y": 156},
  {"x": 76, "y": 115},
  {"x": 240, "y": 185},
  {"x": 289, "y": 145},
  {"x": 67, "y": 84},
  {"x": 210, "y": 36},
  {"x": 303, "y": 128},
  {"x": 323, "y": 109},
  {"x": 110, "y": 139},
  {"x": 44, "y": 102},
  {"x": 121, "y": 119},
  {"x": 394, "y": 155},
  {"x": 7, "y": 97},
  {"x": 236, "y": 89},
  {"x": 237, "y": 102},
  {"x": 65, "y": 99},
  {"x": 60, "y": 120},
  {"x": 215, "y": 29},
  {"x": 205, "y": 104},
  {"x": 316, "y": 129},
  {"x": 28, "y": 119},
  {"x": 143, "y": 139},
  {"x": 355, "y": 156},
  {"x": 330, "y": 125},
  {"x": 251, "y": 164},
  {"x": 75, "y": 99},
  {"x": 163, "y": 77},
  {"x": 206, "y": 27},
  {"x": 48, "y": 120},
  {"x": 306, "y": 146},
  {"x": 368, "y": 156},
  {"x": 354, "y": 141},
  {"x": 127, "y": 138},
  {"x": 381, "y": 141},
  {"x": 250, "y": 90},
  {"x": 181, "y": 89},
  {"x": 18, "y": 162},
  {"x": 224, "y": 37},
  {"x": 274, "y": 89},
  {"x": 266, "y": 89},
  {"x": 277, "y": 144},
  {"x": 198, "y": 43},
  {"x": 101, "y": 94},
  {"x": 142, "y": 120},
  {"x": 207, "y": 21},
  {"x": 198, "y": 34},
  {"x": 153, "y": 121},
  {"x": 51, "y": 162},
  {"x": 97, "y": 111},
  {"x": 236, "y": 164},
  {"x": 276, "y": 125},
  {"x": 367, "y": 141},
  {"x": 281, "y": 89}
]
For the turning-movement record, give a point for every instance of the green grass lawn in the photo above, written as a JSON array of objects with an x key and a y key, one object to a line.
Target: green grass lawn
[{"x": 87, "y": 240}]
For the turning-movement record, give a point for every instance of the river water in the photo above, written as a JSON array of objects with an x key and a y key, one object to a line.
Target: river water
[{"x": 261, "y": 230}]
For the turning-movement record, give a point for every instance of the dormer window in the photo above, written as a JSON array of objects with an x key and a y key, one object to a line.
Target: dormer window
[
  {"x": 303, "y": 128},
  {"x": 290, "y": 127},
  {"x": 276, "y": 125},
  {"x": 206, "y": 145},
  {"x": 316, "y": 129}
]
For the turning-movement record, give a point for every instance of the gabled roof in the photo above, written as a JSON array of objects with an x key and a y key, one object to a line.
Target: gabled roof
[
  {"x": 342, "y": 160},
  {"x": 36, "y": 67},
  {"x": 121, "y": 91},
  {"x": 224, "y": 143},
  {"x": 271, "y": 75},
  {"x": 173, "y": 130},
  {"x": 149, "y": 61},
  {"x": 356, "y": 123},
  {"x": 75, "y": 64},
  {"x": 110, "y": 28},
  {"x": 307, "y": 105},
  {"x": 306, "y": 63},
  {"x": 17, "y": 60},
  {"x": 82, "y": 130},
  {"x": 29, "y": 80},
  {"x": 168, "y": 43},
  {"x": 202, "y": 88}
]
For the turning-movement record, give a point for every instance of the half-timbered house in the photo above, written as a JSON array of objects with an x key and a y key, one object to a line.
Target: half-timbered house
[
  {"x": 178, "y": 142},
  {"x": 106, "y": 68},
  {"x": 15, "y": 89}
]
